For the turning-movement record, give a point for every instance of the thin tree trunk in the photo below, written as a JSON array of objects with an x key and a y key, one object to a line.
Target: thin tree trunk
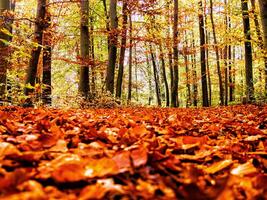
[
  {"x": 233, "y": 69},
  {"x": 263, "y": 44},
  {"x": 188, "y": 99},
  {"x": 47, "y": 61},
  {"x": 167, "y": 96},
  {"x": 174, "y": 94},
  {"x": 207, "y": 51},
  {"x": 248, "y": 52},
  {"x": 84, "y": 45},
  {"x": 156, "y": 78},
  {"x": 92, "y": 50},
  {"x": 130, "y": 60},
  {"x": 217, "y": 55},
  {"x": 113, "y": 37},
  {"x": 230, "y": 73},
  {"x": 194, "y": 72},
  {"x": 38, "y": 37},
  {"x": 205, "y": 98},
  {"x": 4, "y": 47},
  {"x": 136, "y": 75},
  {"x": 149, "y": 80},
  {"x": 107, "y": 19},
  {"x": 208, "y": 67},
  {"x": 122, "y": 52}
]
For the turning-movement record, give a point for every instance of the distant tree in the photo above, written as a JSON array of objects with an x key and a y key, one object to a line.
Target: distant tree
[
  {"x": 167, "y": 95},
  {"x": 5, "y": 27},
  {"x": 113, "y": 37},
  {"x": 38, "y": 38},
  {"x": 84, "y": 46},
  {"x": 194, "y": 71},
  {"x": 156, "y": 75},
  {"x": 248, "y": 51}
]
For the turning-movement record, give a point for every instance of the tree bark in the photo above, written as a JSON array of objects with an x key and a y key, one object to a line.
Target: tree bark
[
  {"x": 217, "y": 55},
  {"x": 122, "y": 52},
  {"x": 130, "y": 60},
  {"x": 174, "y": 90},
  {"x": 149, "y": 73},
  {"x": 205, "y": 98},
  {"x": 167, "y": 96},
  {"x": 4, "y": 46},
  {"x": 248, "y": 52},
  {"x": 84, "y": 45},
  {"x": 92, "y": 52},
  {"x": 38, "y": 37},
  {"x": 156, "y": 77},
  {"x": 113, "y": 37},
  {"x": 47, "y": 61},
  {"x": 194, "y": 72},
  {"x": 263, "y": 11}
]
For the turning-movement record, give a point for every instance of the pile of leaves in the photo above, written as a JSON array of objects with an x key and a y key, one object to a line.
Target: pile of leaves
[{"x": 133, "y": 153}]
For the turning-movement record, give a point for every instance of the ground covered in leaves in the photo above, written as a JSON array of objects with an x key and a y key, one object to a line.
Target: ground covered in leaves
[{"x": 133, "y": 153}]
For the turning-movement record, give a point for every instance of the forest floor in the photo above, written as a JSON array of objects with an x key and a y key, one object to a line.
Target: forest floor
[{"x": 133, "y": 153}]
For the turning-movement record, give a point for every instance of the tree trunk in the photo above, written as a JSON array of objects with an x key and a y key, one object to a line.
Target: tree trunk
[
  {"x": 47, "y": 60},
  {"x": 113, "y": 36},
  {"x": 84, "y": 45},
  {"x": 164, "y": 76},
  {"x": 38, "y": 37},
  {"x": 194, "y": 71},
  {"x": 156, "y": 77},
  {"x": 248, "y": 52},
  {"x": 205, "y": 98},
  {"x": 136, "y": 71},
  {"x": 263, "y": 11},
  {"x": 149, "y": 73},
  {"x": 217, "y": 55},
  {"x": 122, "y": 52},
  {"x": 207, "y": 52},
  {"x": 188, "y": 99},
  {"x": 4, "y": 47},
  {"x": 130, "y": 60},
  {"x": 208, "y": 67},
  {"x": 107, "y": 19},
  {"x": 174, "y": 91},
  {"x": 92, "y": 51}
]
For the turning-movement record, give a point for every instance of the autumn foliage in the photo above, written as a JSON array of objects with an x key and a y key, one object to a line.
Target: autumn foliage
[{"x": 133, "y": 153}]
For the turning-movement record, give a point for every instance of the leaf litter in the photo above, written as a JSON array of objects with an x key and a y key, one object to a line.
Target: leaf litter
[{"x": 133, "y": 153}]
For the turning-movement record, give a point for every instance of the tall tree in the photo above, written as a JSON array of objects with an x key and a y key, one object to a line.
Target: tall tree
[
  {"x": 47, "y": 60},
  {"x": 38, "y": 37},
  {"x": 113, "y": 37},
  {"x": 167, "y": 95},
  {"x": 130, "y": 58},
  {"x": 84, "y": 45},
  {"x": 205, "y": 98},
  {"x": 174, "y": 89},
  {"x": 4, "y": 39},
  {"x": 156, "y": 76},
  {"x": 123, "y": 48},
  {"x": 217, "y": 54},
  {"x": 92, "y": 54},
  {"x": 194, "y": 71},
  {"x": 263, "y": 9},
  {"x": 248, "y": 51}
]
